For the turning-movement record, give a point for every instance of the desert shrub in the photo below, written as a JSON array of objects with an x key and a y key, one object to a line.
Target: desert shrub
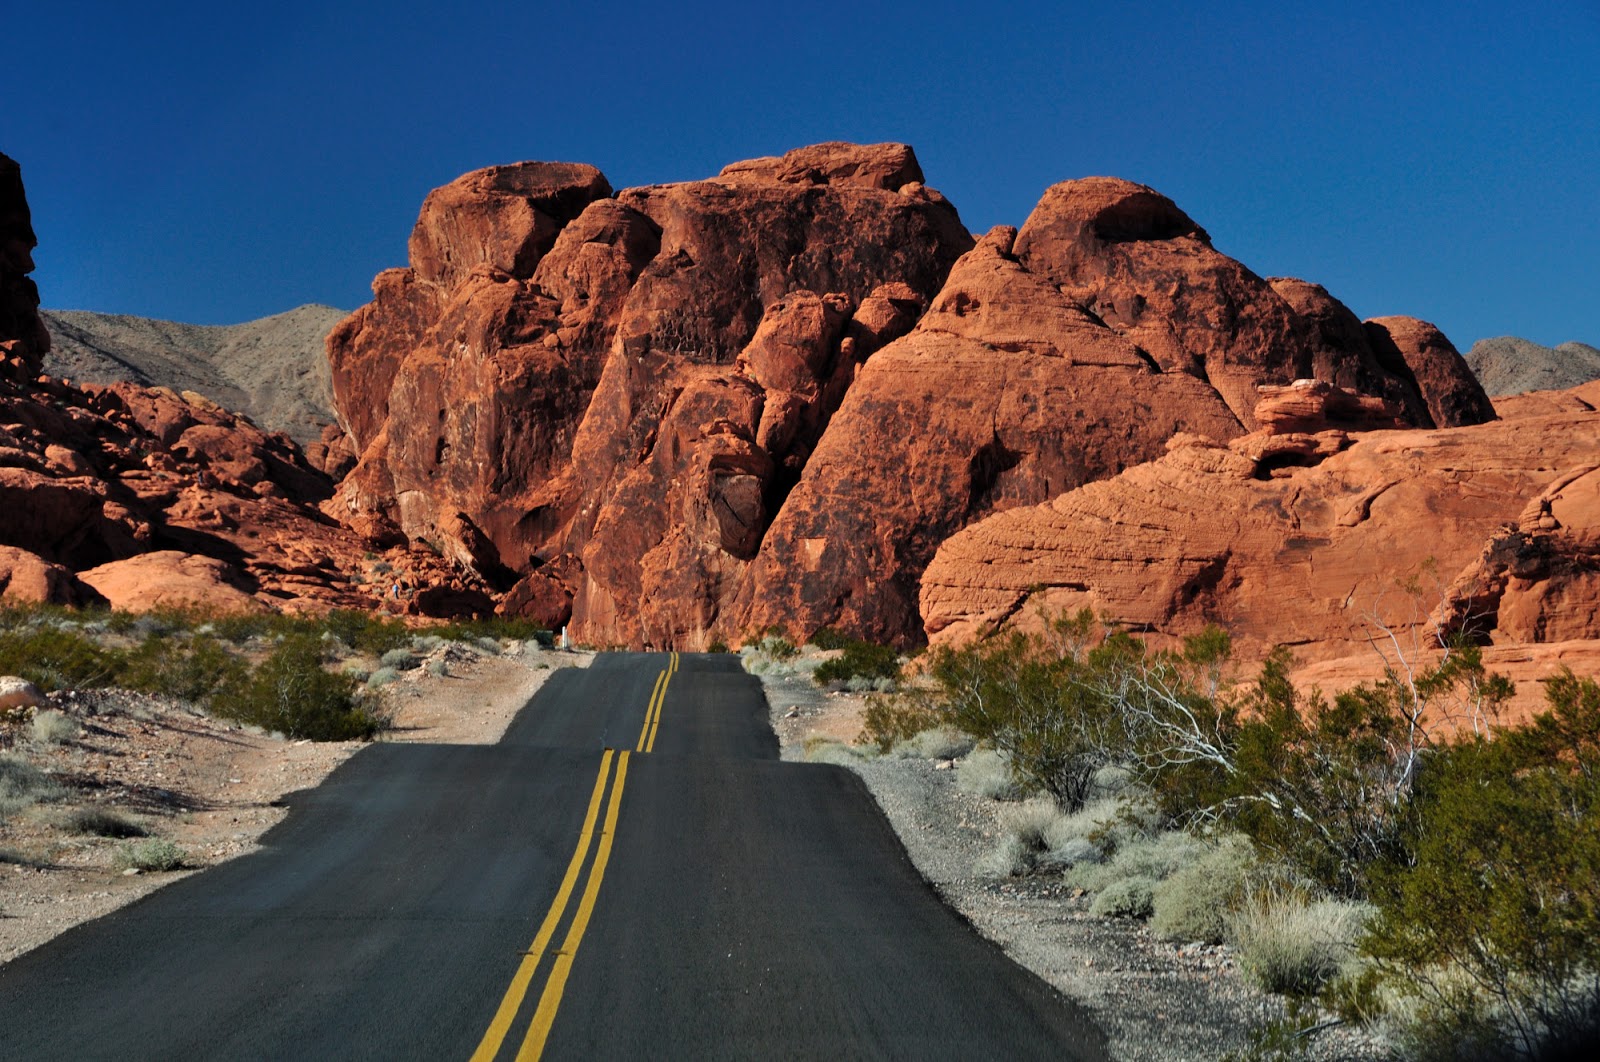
[
  {"x": 100, "y": 822},
  {"x": 829, "y": 638},
  {"x": 987, "y": 773},
  {"x": 1008, "y": 858},
  {"x": 399, "y": 659},
  {"x": 52, "y": 727},
  {"x": 155, "y": 854},
  {"x": 1125, "y": 898},
  {"x": 381, "y": 677},
  {"x": 189, "y": 669},
  {"x": 291, "y": 693},
  {"x": 1490, "y": 917},
  {"x": 1022, "y": 695},
  {"x": 1193, "y": 903},
  {"x": 938, "y": 743},
  {"x": 860, "y": 660},
  {"x": 367, "y": 631},
  {"x": 23, "y": 785},
  {"x": 1292, "y": 944},
  {"x": 438, "y": 669},
  {"x": 423, "y": 644},
  {"x": 890, "y": 720},
  {"x": 514, "y": 628},
  {"x": 771, "y": 643},
  {"x": 717, "y": 646},
  {"x": 57, "y": 658},
  {"x": 488, "y": 645},
  {"x": 1145, "y": 857},
  {"x": 831, "y": 750}
]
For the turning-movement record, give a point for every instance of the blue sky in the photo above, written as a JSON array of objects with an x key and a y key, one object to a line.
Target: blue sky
[{"x": 214, "y": 163}]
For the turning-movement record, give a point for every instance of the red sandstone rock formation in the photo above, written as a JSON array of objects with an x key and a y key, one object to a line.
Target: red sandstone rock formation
[
  {"x": 627, "y": 408},
  {"x": 1502, "y": 521},
  {"x": 709, "y": 407},
  {"x": 28, "y": 578}
]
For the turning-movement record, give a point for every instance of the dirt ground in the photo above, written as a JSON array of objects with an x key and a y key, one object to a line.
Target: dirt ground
[{"x": 211, "y": 787}]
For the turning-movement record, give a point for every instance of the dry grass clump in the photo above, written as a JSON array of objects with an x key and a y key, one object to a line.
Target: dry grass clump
[
  {"x": 53, "y": 727},
  {"x": 822, "y": 749},
  {"x": 987, "y": 773},
  {"x": 1194, "y": 902},
  {"x": 1293, "y": 944},
  {"x": 937, "y": 743},
  {"x": 22, "y": 785},
  {"x": 100, "y": 822}
]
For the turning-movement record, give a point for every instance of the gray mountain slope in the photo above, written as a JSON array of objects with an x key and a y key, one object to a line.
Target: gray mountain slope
[
  {"x": 275, "y": 370},
  {"x": 1507, "y": 365}
]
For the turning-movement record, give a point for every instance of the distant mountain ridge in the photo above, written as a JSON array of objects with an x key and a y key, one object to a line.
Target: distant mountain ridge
[
  {"x": 1508, "y": 365},
  {"x": 273, "y": 370}
]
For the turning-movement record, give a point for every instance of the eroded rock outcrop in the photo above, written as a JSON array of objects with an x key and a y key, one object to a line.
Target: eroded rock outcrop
[
  {"x": 1056, "y": 356},
  {"x": 699, "y": 409},
  {"x": 1501, "y": 522},
  {"x": 625, "y": 406},
  {"x": 147, "y": 493}
]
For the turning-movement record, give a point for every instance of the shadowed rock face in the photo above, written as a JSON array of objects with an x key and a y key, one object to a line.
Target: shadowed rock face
[
  {"x": 23, "y": 339},
  {"x": 697, "y": 409}
]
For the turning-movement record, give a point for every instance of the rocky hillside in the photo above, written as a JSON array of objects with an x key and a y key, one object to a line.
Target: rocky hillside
[
  {"x": 275, "y": 370},
  {"x": 688, "y": 411},
  {"x": 1507, "y": 365},
  {"x": 143, "y": 496}
]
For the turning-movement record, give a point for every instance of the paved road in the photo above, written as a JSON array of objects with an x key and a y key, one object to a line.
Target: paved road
[{"x": 630, "y": 873}]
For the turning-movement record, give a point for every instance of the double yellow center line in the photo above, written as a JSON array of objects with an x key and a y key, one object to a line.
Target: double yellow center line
[
  {"x": 652, "y": 717},
  {"x": 561, "y": 966}
]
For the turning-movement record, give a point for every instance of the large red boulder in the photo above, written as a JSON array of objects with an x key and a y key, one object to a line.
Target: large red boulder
[{"x": 633, "y": 396}]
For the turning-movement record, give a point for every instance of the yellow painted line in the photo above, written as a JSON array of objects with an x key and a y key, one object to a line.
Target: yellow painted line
[
  {"x": 550, "y": 1000},
  {"x": 489, "y": 1046},
  {"x": 650, "y": 743},
  {"x": 650, "y": 710}
]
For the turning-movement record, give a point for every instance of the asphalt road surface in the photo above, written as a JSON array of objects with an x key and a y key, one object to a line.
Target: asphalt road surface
[{"x": 629, "y": 873}]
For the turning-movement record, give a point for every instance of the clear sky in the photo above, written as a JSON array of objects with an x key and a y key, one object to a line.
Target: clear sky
[{"x": 212, "y": 162}]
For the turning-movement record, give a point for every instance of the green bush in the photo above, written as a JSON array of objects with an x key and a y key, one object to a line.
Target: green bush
[
  {"x": 189, "y": 669},
  {"x": 495, "y": 627},
  {"x": 292, "y": 694},
  {"x": 1125, "y": 898},
  {"x": 1490, "y": 915},
  {"x": 1024, "y": 697},
  {"x": 398, "y": 660},
  {"x": 894, "y": 718},
  {"x": 829, "y": 638},
  {"x": 155, "y": 854},
  {"x": 859, "y": 660},
  {"x": 57, "y": 658}
]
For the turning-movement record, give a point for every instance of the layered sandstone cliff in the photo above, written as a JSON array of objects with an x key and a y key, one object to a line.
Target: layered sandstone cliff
[{"x": 693, "y": 410}]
